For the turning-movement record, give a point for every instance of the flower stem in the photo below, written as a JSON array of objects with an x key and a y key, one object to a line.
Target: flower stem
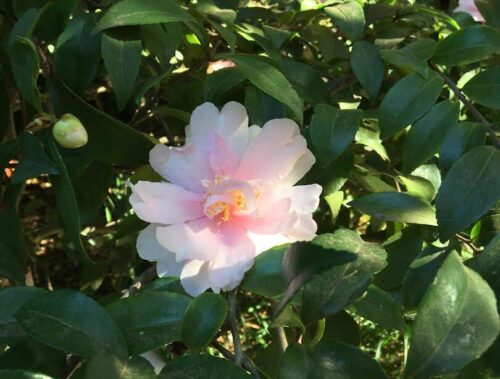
[
  {"x": 470, "y": 107},
  {"x": 233, "y": 321}
]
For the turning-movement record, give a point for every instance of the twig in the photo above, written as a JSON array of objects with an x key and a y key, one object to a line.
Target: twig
[
  {"x": 233, "y": 321},
  {"x": 247, "y": 362},
  {"x": 47, "y": 71},
  {"x": 146, "y": 277},
  {"x": 470, "y": 107},
  {"x": 280, "y": 338}
]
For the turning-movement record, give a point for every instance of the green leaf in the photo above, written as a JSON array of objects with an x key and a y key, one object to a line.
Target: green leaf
[
  {"x": 121, "y": 51},
  {"x": 395, "y": 206},
  {"x": 5, "y": 109},
  {"x": 306, "y": 81},
  {"x": 54, "y": 18},
  {"x": 149, "y": 320},
  {"x": 349, "y": 18},
  {"x": 66, "y": 201},
  {"x": 342, "y": 327},
  {"x": 468, "y": 45},
  {"x": 460, "y": 138},
  {"x": 22, "y": 374},
  {"x": 419, "y": 187},
  {"x": 412, "y": 57},
  {"x": 11, "y": 300},
  {"x": 368, "y": 67},
  {"x": 381, "y": 308},
  {"x": 426, "y": 136},
  {"x": 401, "y": 249},
  {"x": 406, "y": 101},
  {"x": 110, "y": 140},
  {"x": 107, "y": 366},
  {"x": 25, "y": 25},
  {"x": 303, "y": 260},
  {"x": 484, "y": 88},
  {"x": 25, "y": 67},
  {"x": 142, "y": 12},
  {"x": 12, "y": 246},
  {"x": 487, "y": 263},
  {"x": 270, "y": 80},
  {"x": 220, "y": 82},
  {"x": 204, "y": 316},
  {"x": 456, "y": 322},
  {"x": 332, "y": 290},
  {"x": 332, "y": 130},
  {"x": 72, "y": 322},
  {"x": 329, "y": 359},
  {"x": 202, "y": 367},
  {"x": 34, "y": 161},
  {"x": 78, "y": 51},
  {"x": 266, "y": 275},
  {"x": 490, "y": 10},
  {"x": 469, "y": 190}
]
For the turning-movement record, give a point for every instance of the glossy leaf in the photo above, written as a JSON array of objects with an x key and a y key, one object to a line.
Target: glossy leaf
[
  {"x": 202, "y": 320},
  {"x": 270, "y": 80},
  {"x": 368, "y": 67},
  {"x": 306, "y": 81},
  {"x": 25, "y": 67},
  {"x": 348, "y": 17},
  {"x": 457, "y": 321},
  {"x": 487, "y": 263},
  {"x": 467, "y": 45},
  {"x": 329, "y": 359},
  {"x": 406, "y": 101},
  {"x": 66, "y": 201},
  {"x": 11, "y": 300},
  {"x": 142, "y": 12},
  {"x": 394, "y": 206},
  {"x": 72, "y": 322},
  {"x": 149, "y": 320},
  {"x": 490, "y": 10},
  {"x": 12, "y": 246},
  {"x": 202, "y": 366},
  {"x": 484, "y": 88},
  {"x": 122, "y": 58},
  {"x": 34, "y": 161},
  {"x": 332, "y": 130},
  {"x": 332, "y": 290},
  {"x": 22, "y": 374},
  {"x": 220, "y": 82},
  {"x": 107, "y": 366},
  {"x": 460, "y": 138},
  {"x": 426, "y": 136},
  {"x": 468, "y": 191},
  {"x": 266, "y": 275}
]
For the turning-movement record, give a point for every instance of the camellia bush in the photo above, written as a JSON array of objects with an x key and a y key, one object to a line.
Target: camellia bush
[{"x": 249, "y": 189}]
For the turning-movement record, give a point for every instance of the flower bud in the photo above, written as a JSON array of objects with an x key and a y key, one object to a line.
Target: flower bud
[{"x": 69, "y": 132}]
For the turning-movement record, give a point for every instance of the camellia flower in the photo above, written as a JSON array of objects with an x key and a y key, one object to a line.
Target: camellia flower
[
  {"x": 468, "y": 6},
  {"x": 230, "y": 196}
]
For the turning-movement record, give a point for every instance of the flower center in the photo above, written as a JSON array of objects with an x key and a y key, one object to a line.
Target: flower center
[{"x": 225, "y": 197}]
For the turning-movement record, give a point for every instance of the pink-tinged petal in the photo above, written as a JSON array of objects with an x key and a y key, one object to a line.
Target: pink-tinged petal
[
  {"x": 223, "y": 160},
  {"x": 469, "y": 6},
  {"x": 165, "y": 203},
  {"x": 194, "y": 277},
  {"x": 149, "y": 249},
  {"x": 204, "y": 121},
  {"x": 234, "y": 257},
  {"x": 304, "y": 228},
  {"x": 233, "y": 126},
  {"x": 264, "y": 242},
  {"x": 186, "y": 166},
  {"x": 301, "y": 167},
  {"x": 272, "y": 155},
  {"x": 198, "y": 239},
  {"x": 305, "y": 199}
]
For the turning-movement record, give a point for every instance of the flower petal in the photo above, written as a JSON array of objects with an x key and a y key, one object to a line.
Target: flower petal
[
  {"x": 196, "y": 239},
  {"x": 305, "y": 199},
  {"x": 149, "y": 249},
  {"x": 204, "y": 121},
  {"x": 165, "y": 203},
  {"x": 186, "y": 166},
  {"x": 274, "y": 152},
  {"x": 194, "y": 277},
  {"x": 233, "y": 126},
  {"x": 301, "y": 167}
]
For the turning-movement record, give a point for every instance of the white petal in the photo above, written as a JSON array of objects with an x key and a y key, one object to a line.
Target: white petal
[
  {"x": 204, "y": 121},
  {"x": 196, "y": 239},
  {"x": 305, "y": 199},
  {"x": 194, "y": 277},
  {"x": 165, "y": 203},
  {"x": 301, "y": 167}
]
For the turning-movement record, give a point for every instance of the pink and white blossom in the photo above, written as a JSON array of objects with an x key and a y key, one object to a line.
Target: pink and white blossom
[
  {"x": 468, "y": 6},
  {"x": 229, "y": 194}
]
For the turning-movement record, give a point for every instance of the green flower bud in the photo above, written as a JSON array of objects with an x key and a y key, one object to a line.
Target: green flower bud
[{"x": 69, "y": 132}]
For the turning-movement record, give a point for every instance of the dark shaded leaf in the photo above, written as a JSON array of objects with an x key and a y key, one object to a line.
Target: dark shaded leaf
[
  {"x": 484, "y": 88},
  {"x": 368, "y": 67},
  {"x": 202, "y": 367}
]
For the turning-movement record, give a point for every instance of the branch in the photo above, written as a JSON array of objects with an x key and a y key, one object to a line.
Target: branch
[
  {"x": 247, "y": 362},
  {"x": 233, "y": 322},
  {"x": 146, "y": 277},
  {"x": 470, "y": 107}
]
